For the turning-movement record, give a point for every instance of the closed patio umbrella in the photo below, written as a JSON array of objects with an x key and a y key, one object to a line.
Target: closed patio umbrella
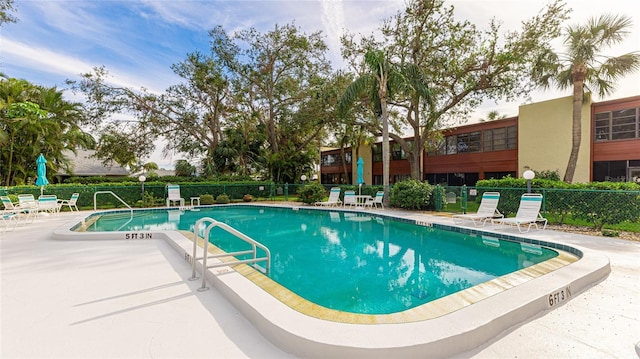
[
  {"x": 360, "y": 174},
  {"x": 42, "y": 173}
]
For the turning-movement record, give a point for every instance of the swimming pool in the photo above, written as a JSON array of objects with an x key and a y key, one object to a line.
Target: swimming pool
[
  {"x": 443, "y": 327},
  {"x": 352, "y": 262}
]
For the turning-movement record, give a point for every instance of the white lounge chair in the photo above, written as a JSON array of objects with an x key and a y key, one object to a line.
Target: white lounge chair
[
  {"x": 173, "y": 195},
  {"x": 350, "y": 199},
  {"x": 8, "y": 218},
  {"x": 375, "y": 201},
  {"x": 528, "y": 213},
  {"x": 334, "y": 198},
  {"x": 8, "y": 205},
  {"x": 48, "y": 203},
  {"x": 10, "y": 213},
  {"x": 70, "y": 202},
  {"x": 488, "y": 209},
  {"x": 28, "y": 205}
]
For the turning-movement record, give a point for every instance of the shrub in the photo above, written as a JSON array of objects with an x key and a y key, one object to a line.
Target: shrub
[
  {"x": 411, "y": 194},
  {"x": 312, "y": 193},
  {"x": 222, "y": 199},
  {"x": 206, "y": 199},
  {"x": 598, "y": 202}
]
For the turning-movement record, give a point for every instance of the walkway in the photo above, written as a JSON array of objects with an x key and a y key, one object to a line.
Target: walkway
[{"x": 133, "y": 299}]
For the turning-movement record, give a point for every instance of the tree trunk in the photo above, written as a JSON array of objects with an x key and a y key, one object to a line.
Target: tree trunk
[
  {"x": 578, "y": 75},
  {"x": 385, "y": 150}
]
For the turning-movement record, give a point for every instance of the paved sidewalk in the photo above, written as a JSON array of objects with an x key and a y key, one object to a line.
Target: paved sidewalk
[{"x": 133, "y": 299}]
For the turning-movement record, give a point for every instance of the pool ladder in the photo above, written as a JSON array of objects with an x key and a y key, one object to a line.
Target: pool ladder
[{"x": 212, "y": 223}]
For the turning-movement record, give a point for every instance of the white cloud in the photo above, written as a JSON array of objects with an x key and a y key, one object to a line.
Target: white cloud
[
  {"x": 45, "y": 60},
  {"x": 333, "y": 20}
]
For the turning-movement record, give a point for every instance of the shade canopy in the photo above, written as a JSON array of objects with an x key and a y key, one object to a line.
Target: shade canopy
[
  {"x": 360, "y": 171},
  {"x": 42, "y": 171}
]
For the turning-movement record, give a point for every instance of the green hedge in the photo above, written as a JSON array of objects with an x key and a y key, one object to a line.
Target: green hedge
[{"x": 598, "y": 203}]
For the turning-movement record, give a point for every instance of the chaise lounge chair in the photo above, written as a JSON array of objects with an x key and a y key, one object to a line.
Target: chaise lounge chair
[
  {"x": 28, "y": 205},
  {"x": 488, "y": 210},
  {"x": 334, "y": 199},
  {"x": 48, "y": 203},
  {"x": 528, "y": 213},
  {"x": 173, "y": 195},
  {"x": 350, "y": 199},
  {"x": 10, "y": 213}
]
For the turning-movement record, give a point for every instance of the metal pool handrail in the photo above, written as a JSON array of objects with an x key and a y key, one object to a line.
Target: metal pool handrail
[
  {"x": 95, "y": 195},
  {"x": 213, "y": 223}
]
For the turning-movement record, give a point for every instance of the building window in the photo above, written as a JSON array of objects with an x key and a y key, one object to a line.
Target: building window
[
  {"x": 617, "y": 125},
  {"x": 498, "y": 139},
  {"x": 451, "y": 145},
  {"x": 376, "y": 151},
  {"x": 334, "y": 159},
  {"x": 398, "y": 153},
  {"x": 615, "y": 171},
  {"x": 469, "y": 142},
  {"x": 329, "y": 160},
  {"x": 332, "y": 178},
  {"x": 400, "y": 178}
]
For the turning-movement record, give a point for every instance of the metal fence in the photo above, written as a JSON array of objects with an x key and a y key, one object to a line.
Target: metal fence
[
  {"x": 591, "y": 207},
  {"x": 150, "y": 195}
]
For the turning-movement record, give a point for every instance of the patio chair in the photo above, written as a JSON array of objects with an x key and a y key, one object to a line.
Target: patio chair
[
  {"x": 350, "y": 199},
  {"x": 71, "y": 202},
  {"x": 10, "y": 212},
  {"x": 173, "y": 195},
  {"x": 48, "y": 203},
  {"x": 8, "y": 205},
  {"x": 488, "y": 209},
  {"x": 28, "y": 205},
  {"x": 334, "y": 198},
  {"x": 528, "y": 213},
  {"x": 9, "y": 217},
  {"x": 375, "y": 201}
]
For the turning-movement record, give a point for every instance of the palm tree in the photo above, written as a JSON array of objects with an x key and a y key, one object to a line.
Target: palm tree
[
  {"x": 383, "y": 81},
  {"x": 584, "y": 67},
  {"x": 492, "y": 116},
  {"x": 375, "y": 86}
]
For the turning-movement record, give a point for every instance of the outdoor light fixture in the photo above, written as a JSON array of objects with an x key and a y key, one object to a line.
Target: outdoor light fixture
[
  {"x": 528, "y": 175},
  {"x": 303, "y": 178},
  {"x": 142, "y": 178}
]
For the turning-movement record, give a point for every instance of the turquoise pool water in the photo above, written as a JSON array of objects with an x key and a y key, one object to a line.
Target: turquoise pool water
[{"x": 353, "y": 262}]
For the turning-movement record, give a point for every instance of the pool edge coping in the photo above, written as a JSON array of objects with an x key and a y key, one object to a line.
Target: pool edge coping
[{"x": 450, "y": 334}]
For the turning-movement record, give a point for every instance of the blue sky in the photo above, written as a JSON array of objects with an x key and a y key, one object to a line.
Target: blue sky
[{"x": 138, "y": 41}]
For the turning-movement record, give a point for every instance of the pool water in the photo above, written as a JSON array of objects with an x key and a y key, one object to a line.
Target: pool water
[{"x": 352, "y": 262}]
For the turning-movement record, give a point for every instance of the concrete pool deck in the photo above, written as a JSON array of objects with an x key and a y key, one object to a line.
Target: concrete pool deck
[{"x": 133, "y": 299}]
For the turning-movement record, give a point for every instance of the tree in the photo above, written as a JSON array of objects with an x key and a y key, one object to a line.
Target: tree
[
  {"x": 584, "y": 67},
  {"x": 376, "y": 87},
  {"x": 130, "y": 121},
  {"x": 279, "y": 79},
  {"x": 34, "y": 120},
  {"x": 6, "y": 7},
  {"x": 461, "y": 65},
  {"x": 274, "y": 82},
  {"x": 185, "y": 169},
  {"x": 492, "y": 116}
]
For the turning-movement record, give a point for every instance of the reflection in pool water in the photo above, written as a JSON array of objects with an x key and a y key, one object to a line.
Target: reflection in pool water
[{"x": 353, "y": 262}]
